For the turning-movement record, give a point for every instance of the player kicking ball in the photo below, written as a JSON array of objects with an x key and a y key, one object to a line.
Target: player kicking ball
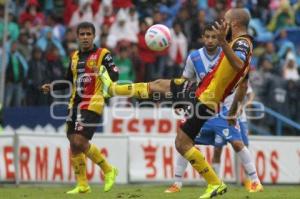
[
  {"x": 216, "y": 131},
  {"x": 230, "y": 71}
]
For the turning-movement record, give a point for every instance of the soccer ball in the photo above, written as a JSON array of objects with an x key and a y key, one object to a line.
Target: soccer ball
[{"x": 158, "y": 37}]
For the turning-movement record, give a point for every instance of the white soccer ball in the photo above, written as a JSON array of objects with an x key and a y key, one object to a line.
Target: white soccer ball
[{"x": 158, "y": 37}]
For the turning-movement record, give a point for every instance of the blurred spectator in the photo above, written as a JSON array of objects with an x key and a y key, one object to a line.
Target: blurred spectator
[
  {"x": 133, "y": 20},
  {"x": 197, "y": 30},
  {"x": 261, "y": 78},
  {"x": 121, "y": 30},
  {"x": 183, "y": 18},
  {"x": 37, "y": 76},
  {"x": 290, "y": 68},
  {"x": 124, "y": 64},
  {"x": 284, "y": 45},
  {"x": 105, "y": 14},
  {"x": 47, "y": 40},
  {"x": 177, "y": 51},
  {"x": 58, "y": 29},
  {"x": 169, "y": 13},
  {"x": 13, "y": 27},
  {"x": 293, "y": 95},
  {"x": 70, "y": 7},
  {"x": 33, "y": 14},
  {"x": 136, "y": 62},
  {"x": 82, "y": 13},
  {"x": 217, "y": 9},
  {"x": 55, "y": 66},
  {"x": 69, "y": 43},
  {"x": 55, "y": 69},
  {"x": 271, "y": 55},
  {"x": 296, "y": 8},
  {"x": 16, "y": 71},
  {"x": 23, "y": 46},
  {"x": 260, "y": 9},
  {"x": 284, "y": 17}
]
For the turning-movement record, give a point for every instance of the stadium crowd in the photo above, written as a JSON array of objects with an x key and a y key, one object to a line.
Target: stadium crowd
[{"x": 41, "y": 36}]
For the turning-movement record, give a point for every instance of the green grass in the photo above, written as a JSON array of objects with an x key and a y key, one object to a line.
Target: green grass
[{"x": 142, "y": 192}]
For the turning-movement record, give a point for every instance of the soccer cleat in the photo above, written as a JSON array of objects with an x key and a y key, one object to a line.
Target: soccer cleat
[
  {"x": 247, "y": 184},
  {"x": 214, "y": 190},
  {"x": 106, "y": 81},
  {"x": 256, "y": 187},
  {"x": 110, "y": 179},
  {"x": 174, "y": 188},
  {"x": 79, "y": 190}
]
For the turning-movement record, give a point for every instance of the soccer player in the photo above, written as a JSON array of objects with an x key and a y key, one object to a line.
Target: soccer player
[
  {"x": 86, "y": 105},
  {"x": 197, "y": 66},
  {"x": 217, "y": 132},
  {"x": 229, "y": 72}
]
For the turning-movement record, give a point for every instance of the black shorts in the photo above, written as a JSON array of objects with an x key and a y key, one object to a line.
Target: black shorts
[
  {"x": 84, "y": 123},
  {"x": 197, "y": 116}
]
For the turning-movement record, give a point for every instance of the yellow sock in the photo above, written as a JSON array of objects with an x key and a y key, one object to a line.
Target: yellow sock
[
  {"x": 94, "y": 154},
  {"x": 138, "y": 90},
  {"x": 199, "y": 163},
  {"x": 79, "y": 164}
]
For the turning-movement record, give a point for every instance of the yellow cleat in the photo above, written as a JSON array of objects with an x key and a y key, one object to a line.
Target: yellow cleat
[
  {"x": 214, "y": 190},
  {"x": 256, "y": 187},
  {"x": 110, "y": 179},
  {"x": 247, "y": 184},
  {"x": 106, "y": 81},
  {"x": 174, "y": 188},
  {"x": 79, "y": 190}
]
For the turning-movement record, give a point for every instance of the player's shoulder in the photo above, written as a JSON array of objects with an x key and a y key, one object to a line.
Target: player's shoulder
[
  {"x": 195, "y": 54},
  {"x": 243, "y": 43},
  {"x": 73, "y": 54},
  {"x": 244, "y": 40}
]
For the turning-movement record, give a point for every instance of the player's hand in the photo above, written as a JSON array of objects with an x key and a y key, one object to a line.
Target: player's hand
[
  {"x": 45, "y": 88},
  {"x": 221, "y": 30}
]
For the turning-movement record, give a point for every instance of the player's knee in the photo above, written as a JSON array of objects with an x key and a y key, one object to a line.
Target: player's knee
[
  {"x": 237, "y": 145},
  {"x": 77, "y": 144},
  {"x": 182, "y": 142}
]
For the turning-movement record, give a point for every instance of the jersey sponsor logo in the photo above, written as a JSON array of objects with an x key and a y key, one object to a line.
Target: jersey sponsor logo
[
  {"x": 225, "y": 132},
  {"x": 84, "y": 79},
  {"x": 218, "y": 139},
  {"x": 91, "y": 63}
]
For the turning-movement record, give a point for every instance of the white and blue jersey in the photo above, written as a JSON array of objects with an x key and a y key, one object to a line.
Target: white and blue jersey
[
  {"x": 216, "y": 130},
  {"x": 199, "y": 63}
]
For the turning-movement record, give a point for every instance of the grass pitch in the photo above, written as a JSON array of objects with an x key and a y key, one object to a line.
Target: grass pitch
[{"x": 142, "y": 192}]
